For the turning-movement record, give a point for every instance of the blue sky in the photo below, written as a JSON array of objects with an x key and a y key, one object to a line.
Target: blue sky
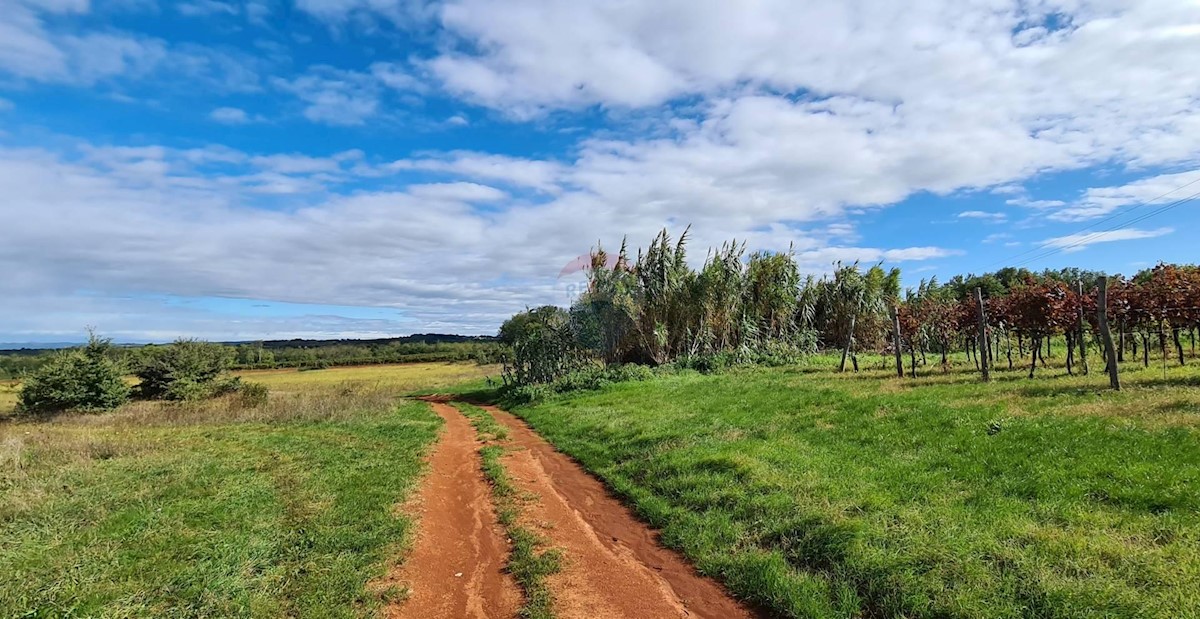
[{"x": 244, "y": 169}]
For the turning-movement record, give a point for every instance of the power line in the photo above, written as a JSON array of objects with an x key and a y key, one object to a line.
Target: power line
[
  {"x": 1121, "y": 211},
  {"x": 1095, "y": 235}
]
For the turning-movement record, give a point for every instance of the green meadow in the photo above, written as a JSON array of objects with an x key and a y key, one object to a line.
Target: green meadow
[{"x": 825, "y": 494}]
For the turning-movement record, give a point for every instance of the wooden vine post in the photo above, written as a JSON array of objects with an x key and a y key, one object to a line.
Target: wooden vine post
[
  {"x": 983, "y": 343},
  {"x": 1110, "y": 356},
  {"x": 1079, "y": 327},
  {"x": 896, "y": 341}
]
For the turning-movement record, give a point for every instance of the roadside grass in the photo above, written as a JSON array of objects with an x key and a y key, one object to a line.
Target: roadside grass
[
  {"x": 822, "y": 494},
  {"x": 530, "y": 562},
  {"x": 214, "y": 509}
]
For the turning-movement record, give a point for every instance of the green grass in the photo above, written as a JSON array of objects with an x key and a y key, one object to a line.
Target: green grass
[
  {"x": 819, "y": 494},
  {"x": 177, "y": 511},
  {"x": 530, "y": 562}
]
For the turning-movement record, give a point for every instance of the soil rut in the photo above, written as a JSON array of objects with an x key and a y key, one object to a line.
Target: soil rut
[
  {"x": 613, "y": 564},
  {"x": 456, "y": 568}
]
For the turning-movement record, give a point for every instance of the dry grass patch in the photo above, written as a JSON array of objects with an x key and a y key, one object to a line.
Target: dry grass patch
[{"x": 218, "y": 508}]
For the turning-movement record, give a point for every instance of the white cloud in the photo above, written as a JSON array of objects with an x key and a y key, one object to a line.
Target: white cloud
[
  {"x": 215, "y": 221},
  {"x": 335, "y": 97},
  {"x": 205, "y": 8},
  {"x": 6, "y": 105},
  {"x": 989, "y": 216},
  {"x": 457, "y": 192},
  {"x": 1026, "y": 202},
  {"x": 1115, "y": 85},
  {"x": 31, "y": 50},
  {"x": 1080, "y": 241},
  {"x": 395, "y": 76},
  {"x": 1161, "y": 189},
  {"x": 337, "y": 12},
  {"x": 541, "y": 175},
  {"x": 257, "y": 12},
  {"x": 230, "y": 116}
]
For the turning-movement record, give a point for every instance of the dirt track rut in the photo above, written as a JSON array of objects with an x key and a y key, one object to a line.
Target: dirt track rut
[
  {"x": 613, "y": 565},
  {"x": 456, "y": 568}
]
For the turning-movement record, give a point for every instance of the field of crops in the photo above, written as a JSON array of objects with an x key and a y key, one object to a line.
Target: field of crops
[{"x": 826, "y": 494}]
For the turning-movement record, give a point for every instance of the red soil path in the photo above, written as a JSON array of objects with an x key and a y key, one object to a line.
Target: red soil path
[
  {"x": 613, "y": 566},
  {"x": 456, "y": 568},
  {"x": 613, "y": 563}
]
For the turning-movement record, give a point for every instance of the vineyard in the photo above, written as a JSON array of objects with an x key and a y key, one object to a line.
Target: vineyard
[
  {"x": 655, "y": 310},
  {"x": 1155, "y": 306}
]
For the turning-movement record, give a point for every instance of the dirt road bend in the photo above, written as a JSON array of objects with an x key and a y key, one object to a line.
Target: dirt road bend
[
  {"x": 613, "y": 564},
  {"x": 456, "y": 568}
]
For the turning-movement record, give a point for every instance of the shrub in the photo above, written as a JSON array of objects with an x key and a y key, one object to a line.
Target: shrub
[
  {"x": 525, "y": 394},
  {"x": 629, "y": 372},
  {"x": 582, "y": 380},
  {"x": 86, "y": 379},
  {"x": 185, "y": 370},
  {"x": 252, "y": 395},
  {"x": 708, "y": 363}
]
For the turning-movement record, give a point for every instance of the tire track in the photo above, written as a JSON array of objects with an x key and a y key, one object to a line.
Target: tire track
[
  {"x": 613, "y": 564},
  {"x": 456, "y": 568}
]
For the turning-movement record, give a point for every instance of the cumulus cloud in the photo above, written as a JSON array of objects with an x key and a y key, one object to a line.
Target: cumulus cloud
[
  {"x": 998, "y": 82},
  {"x": 209, "y": 222},
  {"x": 777, "y": 122}
]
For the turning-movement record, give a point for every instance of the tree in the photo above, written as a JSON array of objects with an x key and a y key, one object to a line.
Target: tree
[
  {"x": 185, "y": 370},
  {"x": 86, "y": 379},
  {"x": 544, "y": 346}
]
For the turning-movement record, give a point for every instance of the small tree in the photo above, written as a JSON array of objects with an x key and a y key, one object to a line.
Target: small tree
[
  {"x": 185, "y": 370},
  {"x": 86, "y": 379},
  {"x": 543, "y": 344}
]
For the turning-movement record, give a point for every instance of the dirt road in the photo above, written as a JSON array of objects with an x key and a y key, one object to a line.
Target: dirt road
[
  {"x": 613, "y": 565},
  {"x": 456, "y": 568}
]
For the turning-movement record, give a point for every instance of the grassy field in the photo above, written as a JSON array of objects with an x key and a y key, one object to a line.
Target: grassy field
[
  {"x": 213, "y": 510},
  {"x": 8, "y": 396},
  {"x": 820, "y": 494}
]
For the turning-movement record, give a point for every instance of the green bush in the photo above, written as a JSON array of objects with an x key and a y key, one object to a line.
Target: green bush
[
  {"x": 86, "y": 379},
  {"x": 525, "y": 394},
  {"x": 629, "y": 372},
  {"x": 185, "y": 370},
  {"x": 588, "y": 379},
  {"x": 252, "y": 395}
]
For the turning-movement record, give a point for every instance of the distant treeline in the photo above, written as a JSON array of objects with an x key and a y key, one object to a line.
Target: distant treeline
[{"x": 304, "y": 354}]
